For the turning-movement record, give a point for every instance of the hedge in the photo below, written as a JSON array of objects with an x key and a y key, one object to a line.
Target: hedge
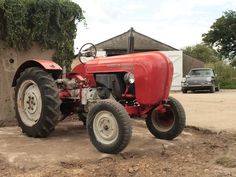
[
  {"x": 226, "y": 74},
  {"x": 51, "y": 23}
]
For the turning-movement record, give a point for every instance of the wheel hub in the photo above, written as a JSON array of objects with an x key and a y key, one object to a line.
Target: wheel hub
[
  {"x": 105, "y": 127},
  {"x": 163, "y": 121},
  {"x": 29, "y": 102}
]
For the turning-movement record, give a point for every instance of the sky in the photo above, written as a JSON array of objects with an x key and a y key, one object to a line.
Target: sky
[{"x": 178, "y": 23}]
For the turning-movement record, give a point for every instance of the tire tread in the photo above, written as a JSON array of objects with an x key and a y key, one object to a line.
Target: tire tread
[
  {"x": 49, "y": 119},
  {"x": 125, "y": 128},
  {"x": 176, "y": 129}
]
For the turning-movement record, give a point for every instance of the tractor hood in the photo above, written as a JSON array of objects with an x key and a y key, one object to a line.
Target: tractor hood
[{"x": 152, "y": 70}]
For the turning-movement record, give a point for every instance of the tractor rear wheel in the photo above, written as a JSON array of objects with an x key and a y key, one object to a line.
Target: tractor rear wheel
[
  {"x": 169, "y": 124},
  {"x": 37, "y": 102},
  {"x": 109, "y": 126}
]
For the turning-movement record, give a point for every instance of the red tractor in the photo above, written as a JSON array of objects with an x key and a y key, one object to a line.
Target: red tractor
[{"x": 104, "y": 92}]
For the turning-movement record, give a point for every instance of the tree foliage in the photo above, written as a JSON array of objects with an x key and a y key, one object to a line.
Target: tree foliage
[
  {"x": 226, "y": 74},
  {"x": 222, "y": 35},
  {"x": 51, "y": 23},
  {"x": 201, "y": 52},
  {"x": 233, "y": 62}
]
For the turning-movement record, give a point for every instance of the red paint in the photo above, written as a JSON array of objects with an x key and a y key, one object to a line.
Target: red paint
[
  {"x": 47, "y": 64},
  {"x": 64, "y": 93},
  {"x": 161, "y": 108},
  {"x": 81, "y": 69},
  {"x": 132, "y": 110},
  {"x": 153, "y": 73},
  {"x": 139, "y": 111}
]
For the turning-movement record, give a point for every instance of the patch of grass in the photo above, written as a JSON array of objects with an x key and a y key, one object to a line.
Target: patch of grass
[
  {"x": 229, "y": 86},
  {"x": 226, "y": 74},
  {"x": 226, "y": 162}
]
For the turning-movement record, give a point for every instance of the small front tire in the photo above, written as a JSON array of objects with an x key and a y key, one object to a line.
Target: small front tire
[
  {"x": 167, "y": 125},
  {"x": 109, "y": 126}
]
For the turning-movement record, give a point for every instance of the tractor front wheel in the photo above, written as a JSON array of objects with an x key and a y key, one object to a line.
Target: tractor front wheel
[
  {"x": 169, "y": 124},
  {"x": 109, "y": 126},
  {"x": 37, "y": 102}
]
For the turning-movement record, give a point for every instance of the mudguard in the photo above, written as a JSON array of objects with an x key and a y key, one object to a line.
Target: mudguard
[{"x": 48, "y": 65}]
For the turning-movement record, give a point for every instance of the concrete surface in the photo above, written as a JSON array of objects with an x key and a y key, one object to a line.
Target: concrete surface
[
  {"x": 69, "y": 144},
  {"x": 68, "y": 152},
  {"x": 10, "y": 59},
  {"x": 212, "y": 111}
]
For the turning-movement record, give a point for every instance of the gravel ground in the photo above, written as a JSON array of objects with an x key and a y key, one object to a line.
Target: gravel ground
[{"x": 196, "y": 152}]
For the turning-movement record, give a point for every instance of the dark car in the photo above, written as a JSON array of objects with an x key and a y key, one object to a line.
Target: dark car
[{"x": 200, "y": 79}]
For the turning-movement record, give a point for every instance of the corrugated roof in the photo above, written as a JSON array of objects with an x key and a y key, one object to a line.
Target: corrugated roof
[
  {"x": 141, "y": 42},
  {"x": 144, "y": 43}
]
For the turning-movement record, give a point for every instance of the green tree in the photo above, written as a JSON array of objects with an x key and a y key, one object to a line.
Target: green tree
[
  {"x": 226, "y": 74},
  {"x": 201, "y": 52},
  {"x": 50, "y": 23},
  {"x": 233, "y": 62},
  {"x": 222, "y": 35}
]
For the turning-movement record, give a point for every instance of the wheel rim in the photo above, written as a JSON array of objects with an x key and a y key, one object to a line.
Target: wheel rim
[
  {"x": 105, "y": 127},
  {"x": 163, "y": 121},
  {"x": 29, "y": 102}
]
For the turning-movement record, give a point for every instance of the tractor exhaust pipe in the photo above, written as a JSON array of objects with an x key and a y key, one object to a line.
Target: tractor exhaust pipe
[{"x": 130, "y": 48}]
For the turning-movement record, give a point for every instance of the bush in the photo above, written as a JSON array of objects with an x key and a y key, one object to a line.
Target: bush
[
  {"x": 226, "y": 74},
  {"x": 51, "y": 23}
]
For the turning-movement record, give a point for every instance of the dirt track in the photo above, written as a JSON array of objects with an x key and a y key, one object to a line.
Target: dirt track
[{"x": 68, "y": 152}]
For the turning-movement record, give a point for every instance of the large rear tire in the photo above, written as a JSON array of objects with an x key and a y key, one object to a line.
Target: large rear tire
[
  {"x": 109, "y": 126},
  {"x": 37, "y": 102},
  {"x": 167, "y": 125}
]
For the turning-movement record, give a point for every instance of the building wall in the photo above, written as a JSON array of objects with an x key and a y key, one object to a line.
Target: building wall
[
  {"x": 189, "y": 63},
  {"x": 176, "y": 57},
  {"x": 10, "y": 59}
]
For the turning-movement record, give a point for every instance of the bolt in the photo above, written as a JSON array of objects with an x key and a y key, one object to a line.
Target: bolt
[{"x": 106, "y": 127}]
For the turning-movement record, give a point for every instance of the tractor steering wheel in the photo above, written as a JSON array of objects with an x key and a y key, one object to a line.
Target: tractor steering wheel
[{"x": 87, "y": 52}]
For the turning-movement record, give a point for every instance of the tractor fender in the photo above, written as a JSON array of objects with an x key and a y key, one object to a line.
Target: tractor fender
[{"x": 48, "y": 65}]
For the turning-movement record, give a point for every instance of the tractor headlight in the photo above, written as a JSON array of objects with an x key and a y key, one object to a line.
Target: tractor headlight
[
  {"x": 208, "y": 79},
  {"x": 129, "y": 78}
]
